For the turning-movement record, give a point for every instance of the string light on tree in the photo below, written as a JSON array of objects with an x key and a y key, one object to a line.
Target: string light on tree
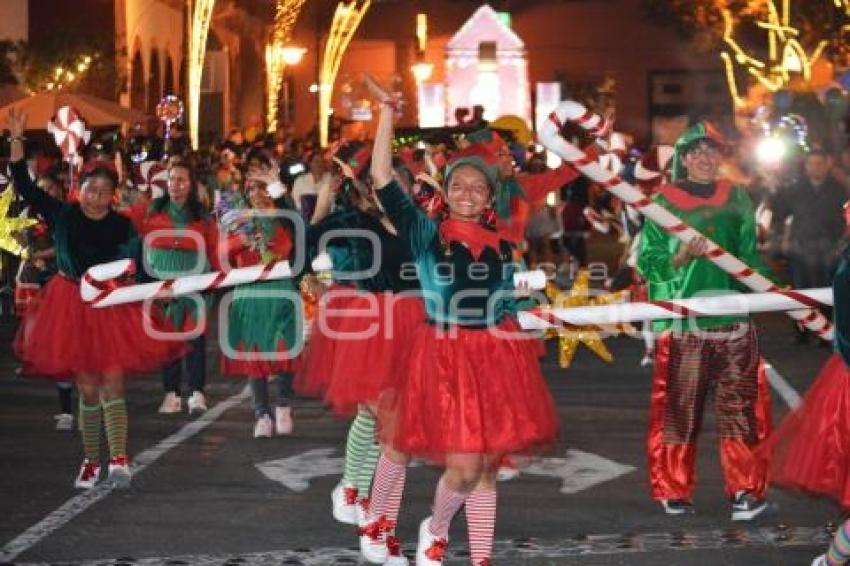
[
  {"x": 278, "y": 55},
  {"x": 346, "y": 19},
  {"x": 200, "y": 17},
  {"x": 63, "y": 76},
  {"x": 786, "y": 57}
]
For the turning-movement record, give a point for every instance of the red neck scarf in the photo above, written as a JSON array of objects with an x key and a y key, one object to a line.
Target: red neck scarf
[{"x": 471, "y": 234}]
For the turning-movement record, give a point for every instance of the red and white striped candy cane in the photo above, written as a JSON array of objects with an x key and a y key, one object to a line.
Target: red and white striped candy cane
[
  {"x": 723, "y": 305},
  {"x": 550, "y": 137},
  {"x": 98, "y": 287}
]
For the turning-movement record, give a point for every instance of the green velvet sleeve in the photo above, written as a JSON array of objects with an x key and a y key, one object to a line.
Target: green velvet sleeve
[
  {"x": 655, "y": 261},
  {"x": 412, "y": 224},
  {"x": 841, "y": 308}
]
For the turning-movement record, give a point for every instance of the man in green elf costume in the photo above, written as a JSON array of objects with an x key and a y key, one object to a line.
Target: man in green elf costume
[{"x": 695, "y": 357}]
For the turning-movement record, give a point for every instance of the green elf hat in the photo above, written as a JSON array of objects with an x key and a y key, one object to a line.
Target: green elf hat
[
  {"x": 480, "y": 157},
  {"x": 703, "y": 130}
]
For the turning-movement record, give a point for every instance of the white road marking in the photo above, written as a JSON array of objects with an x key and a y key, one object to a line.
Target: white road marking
[
  {"x": 782, "y": 387},
  {"x": 578, "y": 470},
  {"x": 76, "y": 505}
]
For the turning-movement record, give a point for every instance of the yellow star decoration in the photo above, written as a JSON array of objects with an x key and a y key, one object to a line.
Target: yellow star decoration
[
  {"x": 569, "y": 339},
  {"x": 9, "y": 226}
]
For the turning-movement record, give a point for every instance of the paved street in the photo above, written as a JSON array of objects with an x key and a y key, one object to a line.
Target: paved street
[{"x": 200, "y": 497}]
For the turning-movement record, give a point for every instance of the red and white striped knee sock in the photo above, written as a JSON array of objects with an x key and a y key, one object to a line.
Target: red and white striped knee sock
[
  {"x": 387, "y": 490},
  {"x": 446, "y": 505},
  {"x": 481, "y": 523}
]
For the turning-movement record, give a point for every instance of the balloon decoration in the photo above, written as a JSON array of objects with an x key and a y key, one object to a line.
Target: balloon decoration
[
  {"x": 10, "y": 226},
  {"x": 70, "y": 134},
  {"x": 169, "y": 110},
  {"x": 569, "y": 338}
]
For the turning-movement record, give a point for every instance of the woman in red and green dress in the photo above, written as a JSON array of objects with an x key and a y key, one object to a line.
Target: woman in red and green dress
[
  {"x": 264, "y": 324},
  {"x": 180, "y": 239}
]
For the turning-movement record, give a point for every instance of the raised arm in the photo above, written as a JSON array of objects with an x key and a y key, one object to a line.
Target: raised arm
[
  {"x": 382, "y": 158},
  {"x": 43, "y": 203}
]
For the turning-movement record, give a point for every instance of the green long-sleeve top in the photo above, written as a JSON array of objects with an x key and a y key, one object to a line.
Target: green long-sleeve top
[
  {"x": 457, "y": 288},
  {"x": 80, "y": 241},
  {"x": 725, "y": 216},
  {"x": 386, "y": 272},
  {"x": 841, "y": 306}
]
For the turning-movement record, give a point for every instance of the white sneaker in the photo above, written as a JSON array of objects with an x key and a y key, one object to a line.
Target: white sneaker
[
  {"x": 171, "y": 404},
  {"x": 344, "y": 499},
  {"x": 430, "y": 550},
  {"x": 197, "y": 403},
  {"x": 506, "y": 473},
  {"x": 394, "y": 554},
  {"x": 88, "y": 476},
  {"x": 373, "y": 540},
  {"x": 264, "y": 427},
  {"x": 119, "y": 472},
  {"x": 362, "y": 511},
  {"x": 283, "y": 420},
  {"x": 64, "y": 421},
  {"x": 820, "y": 560}
]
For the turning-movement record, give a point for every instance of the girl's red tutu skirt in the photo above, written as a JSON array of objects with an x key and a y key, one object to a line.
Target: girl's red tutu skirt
[
  {"x": 313, "y": 375},
  {"x": 469, "y": 391},
  {"x": 62, "y": 335},
  {"x": 810, "y": 450},
  {"x": 371, "y": 352},
  {"x": 259, "y": 365}
]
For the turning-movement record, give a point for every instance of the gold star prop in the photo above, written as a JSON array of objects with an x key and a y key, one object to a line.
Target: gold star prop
[
  {"x": 570, "y": 338},
  {"x": 10, "y": 226}
]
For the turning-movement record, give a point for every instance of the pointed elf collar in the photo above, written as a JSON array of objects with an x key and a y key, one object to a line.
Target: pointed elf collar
[
  {"x": 684, "y": 200},
  {"x": 471, "y": 235}
]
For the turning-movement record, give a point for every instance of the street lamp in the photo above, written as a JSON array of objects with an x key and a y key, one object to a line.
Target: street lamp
[
  {"x": 292, "y": 55},
  {"x": 278, "y": 57},
  {"x": 422, "y": 71}
]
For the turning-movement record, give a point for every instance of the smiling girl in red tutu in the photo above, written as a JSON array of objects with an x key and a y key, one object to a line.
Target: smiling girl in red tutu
[
  {"x": 472, "y": 390},
  {"x": 64, "y": 336}
]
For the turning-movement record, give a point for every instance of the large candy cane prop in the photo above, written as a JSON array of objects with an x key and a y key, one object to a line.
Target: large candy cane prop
[
  {"x": 620, "y": 313},
  {"x": 99, "y": 286},
  {"x": 549, "y": 136}
]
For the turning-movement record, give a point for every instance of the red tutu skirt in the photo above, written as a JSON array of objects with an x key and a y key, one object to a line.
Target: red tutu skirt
[
  {"x": 257, "y": 365},
  {"x": 810, "y": 450},
  {"x": 62, "y": 335},
  {"x": 372, "y": 349},
  {"x": 469, "y": 391},
  {"x": 314, "y": 373}
]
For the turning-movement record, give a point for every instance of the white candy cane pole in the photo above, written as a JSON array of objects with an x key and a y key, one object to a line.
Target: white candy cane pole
[
  {"x": 550, "y": 137},
  {"x": 99, "y": 287},
  {"x": 621, "y": 313}
]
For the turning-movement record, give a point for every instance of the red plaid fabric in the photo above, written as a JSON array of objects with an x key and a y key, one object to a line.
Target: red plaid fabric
[{"x": 723, "y": 360}]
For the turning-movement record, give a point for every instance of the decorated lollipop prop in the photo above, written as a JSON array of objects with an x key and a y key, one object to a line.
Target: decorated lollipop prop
[
  {"x": 152, "y": 177},
  {"x": 551, "y": 138},
  {"x": 70, "y": 134},
  {"x": 169, "y": 110}
]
